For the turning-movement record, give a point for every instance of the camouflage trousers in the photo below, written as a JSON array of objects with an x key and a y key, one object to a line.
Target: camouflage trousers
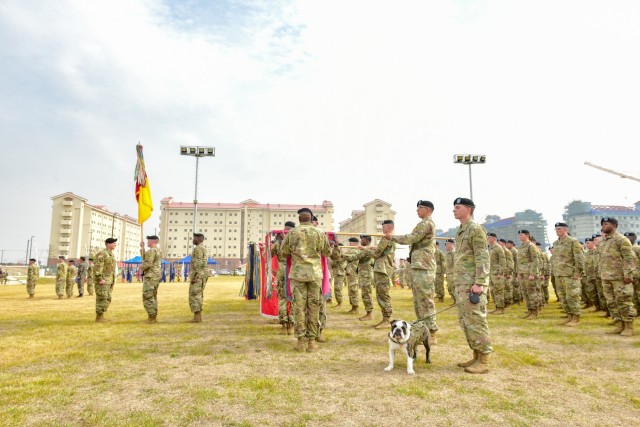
[
  {"x": 150, "y": 295},
  {"x": 81, "y": 285},
  {"x": 60, "y": 285},
  {"x": 284, "y": 314},
  {"x": 423, "y": 287},
  {"x": 352, "y": 287},
  {"x": 552, "y": 278},
  {"x": 508, "y": 291},
  {"x": 103, "y": 297},
  {"x": 569, "y": 291},
  {"x": 31, "y": 286},
  {"x": 306, "y": 307},
  {"x": 366, "y": 287},
  {"x": 473, "y": 319},
  {"x": 496, "y": 287},
  {"x": 600, "y": 292},
  {"x": 517, "y": 289},
  {"x": 196, "y": 295},
  {"x": 90, "y": 287},
  {"x": 440, "y": 285},
  {"x": 382, "y": 293},
  {"x": 531, "y": 292},
  {"x": 338, "y": 284},
  {"x": 619, "y": 299},
  {"x": 590, "y": 291},
  {"x": 69, "y": 287},
  {"x": 636, "y": 293},
  {"x": 322, "y": 313},
  {"x": 451, "y": 288},
  {"x": 544, "y": 289}
]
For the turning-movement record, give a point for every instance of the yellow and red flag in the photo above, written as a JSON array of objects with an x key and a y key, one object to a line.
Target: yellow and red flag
[{"x": 143, "y": 191}]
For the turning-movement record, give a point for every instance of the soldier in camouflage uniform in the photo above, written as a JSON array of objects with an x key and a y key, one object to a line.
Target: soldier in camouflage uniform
[
  {"x": 568, "y": 268},
  {"x": 151, "y": 275},
  {"x": 365, "y": 274},
  {"x": 284, "y": 316},
  {"x": 61, "y": 277},
  {"x": 383, "y": 256},
  {"x": 590, "y": 273},
  {"x": 401, "y": 272},
  {"x": 82, "y": 275},
  {"x": 508, "y": 275},
  {"x": 339, "y": 271},
  {"x": 440, "y": 270},
  {"x": 306, "y": 244},
  {"x": 450, "y": 255},
  {"x": 351, "y": 275},
  {"x": 636, "y": 275},
  {"x": 552, "y": 277},
  {"x": 617, "y": 266},
  {"x": 543, "y": 277},
  {"x": 104, "y": 277},
  {"x": 423, "y": 264},
  {"x": 471, "y": 275},
  {"x": 515, "y": 282},
  {"x": 528, "y": 270},
  {"x": 33, "y": 272},
  {"x": 597, "y": 239},
  {"x": 198, "y": 275},
  {"x": 90, "y": 285},
  {"x": 72, "y": 273},
  {"x": 497, "y": 272}
]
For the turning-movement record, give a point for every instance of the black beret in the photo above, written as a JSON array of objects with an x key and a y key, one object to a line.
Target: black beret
[
  {"x": 83, "y": 258},
  {"x": 538, "y": 244},
  {"x": 90, "y": 259},
  {"x": 425, "y": 203},
  {"x": 198, "y": 235},
  {"x": 32, "y": 259},
  {"x": 561, "y": 224},
  {"x": 61, "y": 257},
  {"x": 110, "y": 240},
  {"x": 365, "y": 236},
  {"x": 290, "y": 224},
  {"x": 510, "y": 241},
  {"x": 595, "y": 236},
  {"x": 450, "y": 241},
  {"x": 153, "y": 237},
  {"x": 588, "y": 239},
  {"x": 340, "y": 244},
  {"x": 354, "y": 239},
  {"x": 305, "y": 210},
  {"x": 610, "y": 220},
  {"x": 314, "y": 218},
  {"x": 630, "y": 234},
  {"x": 550, "y": 247},
  {"x": 502, "y": 240},
  {"x": 437, "y": 243},
  {"x": 523, "y": 232},
  {"x": 387, "y": 221},
  {"x": 464, "y": 201},
  {"x": 72, "y": 261},
  {"x": 492, "y": 235}
]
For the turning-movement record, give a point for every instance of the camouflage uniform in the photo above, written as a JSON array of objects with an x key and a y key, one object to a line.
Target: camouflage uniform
[
  {"x": 351, "y": 275},
  {"x": 636, "y": 280},
  {"x": 284, "y": 317},
  {"x": 339, "y": 271},
  {"x": 72, "y": 273},
  {"x": 515, "y": 282},
  {"x": 590, "y": 274},
  {"x": 90, "y": 285},
  {"x": 305, "y": 244},
  {"x": 61, "y": 278},
  {"x": 545, "y": 272},
  {"x": 508, "y": 281},
  {"x": 151, "y": 280},
  {"x": 104, "y": 268},
  {"x": 497, "y": 267},
  {"x": 198, "y": 275},
  {"x": 440, "y": 261},
  {"x": 617, "y": 262},
  {"x": 471, "y": 266},
  {"x": 451, "y": 284},
  {"x": 599, "y": 288},
  {"x": 529, "y": 264},
  {"x": 33, "y": 272},
  {"x": 568, "y": 266},
  {"x": 365, "y": 276},
  {"x": 82, "y": 276},
  {"x": 383, "y": 257},
  {"x": 423, "y": 269}
]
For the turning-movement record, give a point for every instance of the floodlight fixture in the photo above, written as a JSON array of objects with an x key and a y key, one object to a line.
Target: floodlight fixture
[
  {"x": 470, "y": 159},
  {"x": 197, "y": 152}
]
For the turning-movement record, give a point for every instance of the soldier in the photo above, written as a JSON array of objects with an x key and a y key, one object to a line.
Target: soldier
[
  {"x": 568, "y": 267},
  {"x": 3, "y": 277},
  {"x": 508, "y": 275},
  {"x": 104, "y": 277},
  {"x": 383, "y": 257},
  {"x": 32, "y": 277},
  {"x": 545, "y": 273},
  {"x": 515, "y": 283},
  {"x": 351, "y": 274},
  {"x": 471, "y": 271},
  {"x": 450, "y": 247},
  {"x": 597, "y": 239},
  {"x": 552, "y": 277},
  {"x": 61, "y": 277},
  {"x": 198, "y": 275},
  {"x": 617, "y": 266},
  {"x": 440, "y": 270},
  {"x": 90, "y": 285},
  {"x": 365, "y": 274},
  {"x": 82, "y": 275},
  {"x": 497, "y": 269},
  {"x": 528, "y": 270},
  {"x": 72, "y": 273},
  {"x": 284, "y": 316},
  {"x": 401, "y": 272},
  {"x": 423, "y": 264},
  {"x": 590, "y": 274},
  {"x": 339, "y": 272},
  {"x": 151, "y": 275},
  {"x": 636, "y": 275},
  {"x": 323, "y": 301},
  {"x": 306, "y": 244}
]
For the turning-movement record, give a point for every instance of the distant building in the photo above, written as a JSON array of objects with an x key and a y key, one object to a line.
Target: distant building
[
  {"x": 80, "y": 229},
  {"x": 583, "y": 218},
  {"x": 228, "y": 227},
  {"x": 369, "y": 220}
]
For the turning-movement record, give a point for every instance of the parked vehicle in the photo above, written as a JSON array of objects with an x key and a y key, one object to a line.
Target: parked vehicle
[{"x": 225, "y": 272}]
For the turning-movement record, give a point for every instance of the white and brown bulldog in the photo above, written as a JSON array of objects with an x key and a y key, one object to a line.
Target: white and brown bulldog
[{"x": 407, "y": 337}]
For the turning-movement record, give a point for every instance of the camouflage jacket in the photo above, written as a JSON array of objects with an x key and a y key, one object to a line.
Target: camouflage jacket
[
  {"x": 449, "y": 258},
  {"x": 590, "y": 263},
  {"x": 568, "y": 257},
  {"x": 545, "y": 264},
  {"x": 72, "y": 272},
  {"x": 33, "y": 272},
  {"x": 514, "y": 253},
  {"x": 497, "y": 259},
  {"x": 82, "y": 270},
  {"x": 90, "y": 273},
  {"x": 61, "y": 272},
  {"x": 636, "y": 250},
  {"x": 151, "y": 264},
  {"x": 508, "y": 258},
  {"x": 471, "y": 262},
  {"x": 339, "y": 264},
  {"x": 440, "y": 261},
  {"x": 352, "y": 266},
  {"x": 528, "y": 260},
  {"x": 617, "y": 260},
  {"x": 305, "y": 244},
  {"x": 199, "y": 267},
  {"x": 383, "y": 256},
  {"x": 364, "y": 260},
  {"x": 423, "y": 245},
  {"x": 104, "y": 267}
]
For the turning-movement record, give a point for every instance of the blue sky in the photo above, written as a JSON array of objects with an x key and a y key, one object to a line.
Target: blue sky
[{"x": 309, "y": 101}]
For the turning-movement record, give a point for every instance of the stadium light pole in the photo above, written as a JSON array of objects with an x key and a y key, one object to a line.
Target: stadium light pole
[
  {"x": 196, "y": 152},
  {"x": 470, "y": 159}
]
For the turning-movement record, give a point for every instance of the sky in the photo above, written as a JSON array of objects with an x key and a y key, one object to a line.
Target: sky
[{"x": 346, "y": 101}]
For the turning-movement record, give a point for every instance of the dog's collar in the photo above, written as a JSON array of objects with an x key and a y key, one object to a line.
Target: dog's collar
[{"x": 394, "y": 340}]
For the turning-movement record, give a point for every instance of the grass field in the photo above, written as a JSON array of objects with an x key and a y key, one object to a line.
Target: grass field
[{"x": 59, "y": 368}]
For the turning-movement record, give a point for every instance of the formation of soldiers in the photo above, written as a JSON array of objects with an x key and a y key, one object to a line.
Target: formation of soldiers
[{"x": 74, "y": 272}]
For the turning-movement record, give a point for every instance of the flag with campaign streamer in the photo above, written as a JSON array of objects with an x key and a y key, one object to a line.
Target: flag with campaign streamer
[{"x": 143, "y": 191}]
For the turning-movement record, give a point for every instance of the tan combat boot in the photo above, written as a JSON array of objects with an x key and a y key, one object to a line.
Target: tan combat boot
[
  {"x": 367, "y": 316},
  {"x": 284, "y": 329},
  {"x": 290, "y": 328},
  {"x": 151, "y": 319},
  {"x": 468, "y": 363},
  {"x": 568, "y": 318},
  {"x": 498, "y": 311},
  {"x": 301, "y": 345},
  {"x": 319, "y": 338},
  {"x": 619, "y": 328},
  {"x": 197, "y": 317},
  {"x": 313, "y": 346},
  {"x": 100, "y": 318},
  {"x": 354, "y": 310},
  {"x": 30, "y": 296},
  {"x": 628, "y": 329},
  {"x": 534, "y": 314},
  {"x": 59, "y": 296},
  {"x": 481, "y": 366},
  {"x": 383, "y": 323},
  {"x": 575, "y": 319},
  {"x": 434, "y": 338},
  {"x": 526, "y": 316}
]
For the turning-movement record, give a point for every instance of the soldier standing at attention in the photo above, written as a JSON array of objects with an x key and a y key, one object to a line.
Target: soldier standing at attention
[
  {"x": 450, "y": 247},
  {"x": 339, "y": 271},
  {"x": 306, "y": 244},
  {"x": 285, "y": 318},
  {"x": 82, "y": 275},
  {"x": 508, "y": 275},
  {"x": 365, "y": 274},
  {"x": 597, "y": 239},
  {"x": 104, "y": 277},
  {"x": 151, "y": 260},
  {"x": 590, "y": 273},
  {"x": 517, "y": 288},
  {"x": 568, "y": 268},
  {"x": 72, "y": 273},
  {"x": 528, "y": 270},
  {"x": 32, "y": 277},
  {"x": 61, "y": 277},
  {"x": 617, "y": 265},
  {"x": 497, "y": 269},
  {"x": 401, "y": 272},
  {"x": 471, "y": 270},
  {"x": 198, "y": 277},
  {"x": 423, "y": 264},
  {"x": 636, "y": 275},
  {"x": 322, "y": 317},
  {"x": 440, "y": 269},
  {"x": 90, "y": 286},
  {"x": 545, "y": 273},
  {"x": 383, "y": 256},
  {"x": 351, "y": 274}
]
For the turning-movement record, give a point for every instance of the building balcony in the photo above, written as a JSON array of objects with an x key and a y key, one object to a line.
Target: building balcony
[
  {"x": 379, "y": 209},
  {"x": 67, "y": 203},
  {"x": 65, "y": 222},
  {"x": 67, "y": 214},
  {"x": 379, "y": 218},
  {"x": 65, "y": 231},
  {"x": 63, "y": 250},
  {"x": 64, "y": 240}
]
